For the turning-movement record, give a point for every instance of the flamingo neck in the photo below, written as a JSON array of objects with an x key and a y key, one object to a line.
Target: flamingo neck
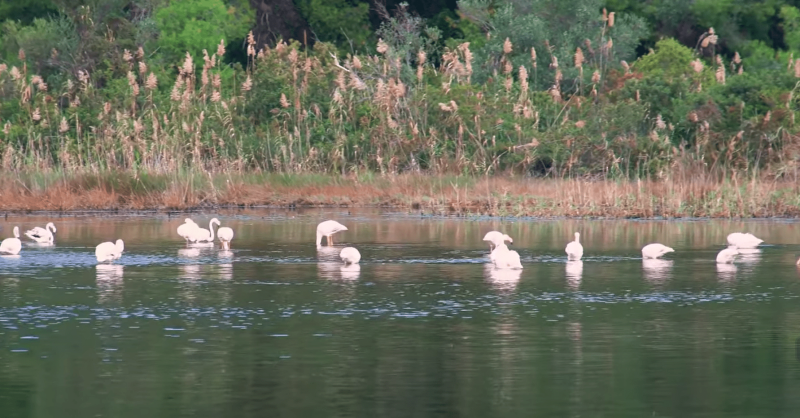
[
  {"x": 211, "y": 229},
  {"x": 319, "y": 239}
]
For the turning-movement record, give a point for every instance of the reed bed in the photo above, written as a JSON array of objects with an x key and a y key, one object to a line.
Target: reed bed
[
  {"x": 308, "y": 127},
  {"x": 414, "y": 193}
]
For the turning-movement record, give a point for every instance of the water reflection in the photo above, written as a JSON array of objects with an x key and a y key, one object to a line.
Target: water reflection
[
  {"x": 109, "y": 283},
  {"x": 726, "y": 272},
  {"x": 656, "y": 270},
  {"x": 226, "y": 271},
  {"x": 574, "y": 272},
  {"x": 226, "y": 254},
  {"x": 189, "y": 252},
  {"x": 749, "y": 256},
  {"x": 338, "y": 271},
  {"x": 328, "y": 253},
  {"x": 190, "y": 271},
  {"x": 350, "y": 272},
  {"x": 506, "y": 279}
]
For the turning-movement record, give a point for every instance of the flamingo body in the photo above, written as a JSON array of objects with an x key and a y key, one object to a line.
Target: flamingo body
[
  {"x": 42, "y": 235},
  {"x": 655, "y": 250},
  {"x": 744, "y": 241},
  {"x": 225, "y": 236},
  {"x": 728, "y": 255},
  {"x": 186, "y": 229},
  {"x": 574, "y": 249},
  {"x": 327, "y": 229},
  {"x": 109, "y": 251},
  {"x": 11, "y": 246},
  {"x": 505, "y": 258},
  {"x": 350, "y": 255},
  {"x": 204, "y": 235}
]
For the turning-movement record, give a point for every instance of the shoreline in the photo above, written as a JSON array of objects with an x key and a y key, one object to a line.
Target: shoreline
[{"x": 429, "y": 195}]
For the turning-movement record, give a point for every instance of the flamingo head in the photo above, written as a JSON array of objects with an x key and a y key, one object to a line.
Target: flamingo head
[
  {"x": 120, "y": 245},
  {"x": 577, "y": 237},
  {"x": 50, "y": 225},
  {"x": 507, "y": 238},
  {"x": 16, "y": 232}
]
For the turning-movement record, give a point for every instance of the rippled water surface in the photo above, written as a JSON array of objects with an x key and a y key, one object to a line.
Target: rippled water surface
[{"x": 424, "y": 327}]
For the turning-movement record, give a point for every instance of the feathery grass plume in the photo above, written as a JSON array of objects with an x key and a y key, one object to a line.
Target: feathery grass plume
[
  {"x": 697, "y": 65},
  {"x": 216, "y": 81},
  {"x": 611, "y": 20},
  {"x": 660, "y": 123},
  {"x": 605, "y": 15},
  {"x": 609, "y": 45},
  {"x": 21, "y": 54},
  {"x": 126, "y": 55},
  {"x": 140, "y": 53},
  {"x": 221, "y": 48},
  {"x": 215, "y": 96},
  {"x": 797, "y": 68},
  {"x": 284, "y": 101},
  {"x": 553, "y": 62},
  {"x": 248, "y": 84},
  {"x": 533, "y": 57},
  {"x": 578, "y": 58},
  {"x": 507, "y": 46},
  {"x": 692, "y": 116},
  {"x": 251, "y": 40},
  {"x": 508, "y": 83},
  {"x": 382, "y": 46},
  {"x": 625, "y": 66},
  {"x": 188, "y": 66},
  {"x": 142, "y": 68},
  {"x": 15, "y": 74},
  {"x": 63, "y": 127},
  {"x": 555, "y": 93},
  {"x": 37, "y": 116},
  {"x": 638, "y": 96},
  {"x": 357, "y": 63},
  {"x": 736, "y": 58},
  {"x": 720, "y": 74},
  {"x": 580, "y": 124},
  {"x": 596, "y": 77},
  {"x": 3, "y": 68},
  {"x": 340, "y": 81},
  {"x": 523, "y": 78},
  {"x": 445, "y": 108}
]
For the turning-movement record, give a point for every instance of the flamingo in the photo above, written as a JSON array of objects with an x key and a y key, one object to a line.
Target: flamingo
[
  {"x": 574, "y": 249},
  {"x": 327, "y": 229},
  {"x": 493, "y": 236},
  {"x": 11, "y": 245},
  {"x": 728, "y": 255},
  {"x": 744, "y": 241},
  {"x": 225, "y": 236},
  {"x": 186, "y": 229},
  {"x": 109, "y": 251},
  {"x": 350, "y": 255},
  {"x": 42, "y": 235},
  {"x": 205, "y": 235},
  {"x": 655, "y": 250},
  {"x": 505, "y": 258}
]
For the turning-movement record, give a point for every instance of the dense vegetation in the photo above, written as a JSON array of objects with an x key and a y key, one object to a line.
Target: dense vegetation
[{"x": 538, "y": 87}]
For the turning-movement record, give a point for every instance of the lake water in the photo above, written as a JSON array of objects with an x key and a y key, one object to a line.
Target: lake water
[{"x": 423, "y": 329}]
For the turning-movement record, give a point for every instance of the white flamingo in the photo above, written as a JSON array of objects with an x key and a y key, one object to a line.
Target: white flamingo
[
  {"x": 493, "y": 236},
  {"x": 505, "y": 258},
  {"x": 11, "y": 245},
  {"x": 42, "y": 235},
  {"x": 574, "y": 249},
  {"x": 728, "y": 255},
  {"x": 655, "y": 250},
  {"x": 327, "y": 229},
  {"x": 744, "y": 241},
  {"x": 225, "y": 236},
  {"x": 186, "y": 229},
  {"x": 350, "y": 255},
  {"x": 109, "y": 251},
  {"x": 203, "y": 235}
]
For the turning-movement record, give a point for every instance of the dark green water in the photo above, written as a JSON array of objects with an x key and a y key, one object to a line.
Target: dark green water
[{"x": 423, "y": 329}]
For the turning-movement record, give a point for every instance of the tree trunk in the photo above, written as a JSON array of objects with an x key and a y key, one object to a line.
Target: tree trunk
[{"x": 279, "y": 19}]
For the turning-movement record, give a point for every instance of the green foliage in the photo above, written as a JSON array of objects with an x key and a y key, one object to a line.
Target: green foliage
[
  {"x": 669, "y": 61},
  {"x": 193, "y": 25},
  {"x": 342, "y": 22},
  {"x": 25, "y": 11},
  {"x": 406, "y": 35}
]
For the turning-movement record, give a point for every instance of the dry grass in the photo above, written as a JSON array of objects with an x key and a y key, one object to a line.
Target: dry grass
[{"x": 495, "y": 196}]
